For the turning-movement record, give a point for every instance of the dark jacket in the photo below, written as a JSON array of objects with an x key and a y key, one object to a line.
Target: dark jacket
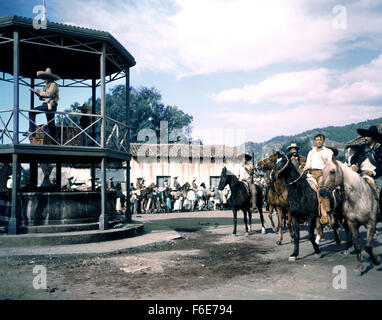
[{"x": 374, "y": 155}]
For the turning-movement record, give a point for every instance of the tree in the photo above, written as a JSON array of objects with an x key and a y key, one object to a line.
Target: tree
[{"x": 146, "y": 111}]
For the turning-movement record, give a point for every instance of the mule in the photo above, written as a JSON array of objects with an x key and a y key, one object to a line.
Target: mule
[
  {"x": 359, "y": 206},
  {"x": 240, "y": 199}
]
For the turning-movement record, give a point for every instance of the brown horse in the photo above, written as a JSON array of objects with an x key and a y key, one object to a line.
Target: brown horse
[{"x": 277, "y": 198}]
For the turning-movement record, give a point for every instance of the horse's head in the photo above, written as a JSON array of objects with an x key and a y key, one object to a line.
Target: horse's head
[
  {"x": 223, "y": 179},
  {"x": 268, "y": 163},
  {"x": 332, "y": 177},
  {"x": 281, "y": 162}
]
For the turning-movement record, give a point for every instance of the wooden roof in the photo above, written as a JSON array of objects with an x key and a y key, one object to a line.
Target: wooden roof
[
  {"x": 182, "y": 150},
  {"x": 70, "y": 51}
]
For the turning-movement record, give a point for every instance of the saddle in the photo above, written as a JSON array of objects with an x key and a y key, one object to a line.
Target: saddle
[
  {"x": 246, "y": 184},
  {"x": 313, "y": 183},
  {"x": 370, "y": 182}
]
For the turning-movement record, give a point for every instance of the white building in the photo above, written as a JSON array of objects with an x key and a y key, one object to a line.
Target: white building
[{"x": 185, "y": 161}]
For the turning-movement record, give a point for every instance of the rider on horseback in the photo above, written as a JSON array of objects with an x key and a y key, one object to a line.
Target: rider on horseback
[
  {"x": 246, "y": 175},
  {"x": 368, "y": 158},
  {"x": 316, "y": 161},
  {"x": 299, "y": 161}
]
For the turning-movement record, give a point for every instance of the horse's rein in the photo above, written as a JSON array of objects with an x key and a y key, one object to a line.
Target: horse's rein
[
  {"x": 301, "y": 175},
  {"x": 281, "y": 170}
]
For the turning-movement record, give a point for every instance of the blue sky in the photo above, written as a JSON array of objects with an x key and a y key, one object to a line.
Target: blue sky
[{"x": 267, "y": 68}]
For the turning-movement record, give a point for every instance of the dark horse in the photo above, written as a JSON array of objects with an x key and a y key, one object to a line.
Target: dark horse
[
  {"x": 302, "y": 204},
  {"x": 240, "y": 199}
]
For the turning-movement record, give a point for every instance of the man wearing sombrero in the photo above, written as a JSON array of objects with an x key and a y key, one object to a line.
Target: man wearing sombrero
[
  {"x": 368, "y": 158},
  {"x": 246, "y": 175},
  {"x": 298, "y": 161},
  {"x": 50, "y": 97}
]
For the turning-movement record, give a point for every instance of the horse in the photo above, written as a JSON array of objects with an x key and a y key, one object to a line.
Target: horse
[
  {"x": 240, "y": 199},
  {"x": 277, "y": 198},
  {"x": 303, "y": 205},
  {"x": 146, "y": 198},
  {"x": 360, "y": 207},
  {"x": 302, "y": 202}
]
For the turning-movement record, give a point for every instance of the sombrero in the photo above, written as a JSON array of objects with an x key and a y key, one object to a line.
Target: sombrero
[
  {"x": 293, "y": 145},
  {"x": 47, "y": 74},
  {"x": 334, "y": 149},
  {"x": 248, "y": 157},
  {"x": 371, "y": 132}
]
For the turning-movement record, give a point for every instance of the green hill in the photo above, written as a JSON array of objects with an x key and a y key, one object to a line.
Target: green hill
[{"x": 337, "y": 136}]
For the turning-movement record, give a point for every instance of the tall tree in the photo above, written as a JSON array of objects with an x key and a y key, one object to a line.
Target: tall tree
[{"x": 146, "y": 111}]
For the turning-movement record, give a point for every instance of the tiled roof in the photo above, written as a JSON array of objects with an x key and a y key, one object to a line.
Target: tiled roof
[{"x": 182, "y": 150}]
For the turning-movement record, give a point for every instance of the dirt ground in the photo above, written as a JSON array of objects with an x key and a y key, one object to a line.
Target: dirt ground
[{"x": 207, "y": 262}]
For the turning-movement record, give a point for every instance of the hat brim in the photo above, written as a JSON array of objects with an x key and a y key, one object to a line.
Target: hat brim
[
  {"x": 248, "y": 157},
  {"x": 369, "y": 133},
  {"x": 334, "y": 149},
  {"x": 297, "y": 148},
  {"x": 45, "y": 75}
]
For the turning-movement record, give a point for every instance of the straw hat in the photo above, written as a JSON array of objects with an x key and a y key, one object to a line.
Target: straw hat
[
  {"x": 47, "y": 74},
  {"x": 293, "y": 145}
]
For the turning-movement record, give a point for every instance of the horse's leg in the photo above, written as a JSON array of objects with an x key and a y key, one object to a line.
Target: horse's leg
[
  {"x": 369, "y": 241},
  {"x": 234, "y": 211},
  {"x": 280, "y": 221},
  {"x": 289, "y": 224},
  {"x": 335, "y": 227},
  {"x": 296, "y": 233},
  {"x": 245, "y": 220},
  {"x": 312, "y": 223},
  {"x": 250, "y": 220},
  {"x": 319, "y": 230},
  {"x": 354, "y": 226},
  {"x": 263, "y": 231},
  {"x": 259, "y": 205},
  {"x": 271, "y": 218},
  {"x": 349, "y": 241}
]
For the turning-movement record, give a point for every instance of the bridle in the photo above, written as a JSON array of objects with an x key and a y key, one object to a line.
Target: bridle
[{"x": 276, "y": 173}]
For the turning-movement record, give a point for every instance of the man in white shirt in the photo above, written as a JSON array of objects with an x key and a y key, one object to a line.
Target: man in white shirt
[{"x": 316, "y": 161}]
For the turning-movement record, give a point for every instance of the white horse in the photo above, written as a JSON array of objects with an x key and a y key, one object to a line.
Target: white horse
[{"x": 360, "y": 206}]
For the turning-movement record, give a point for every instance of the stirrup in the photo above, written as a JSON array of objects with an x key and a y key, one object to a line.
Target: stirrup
[{"x": 324, "y": 219}]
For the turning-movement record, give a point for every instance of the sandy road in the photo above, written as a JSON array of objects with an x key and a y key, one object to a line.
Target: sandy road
[{"x": 207, "y": 262}]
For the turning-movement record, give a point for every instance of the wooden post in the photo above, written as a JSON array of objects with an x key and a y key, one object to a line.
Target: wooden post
[
  {"x": 94, "y": 101},
  {"x": 16, "y": 87},
  {"x": 128, "y": 213},
  {"x": 13, "y": 221},
  {"x": 103, "y": 219}
]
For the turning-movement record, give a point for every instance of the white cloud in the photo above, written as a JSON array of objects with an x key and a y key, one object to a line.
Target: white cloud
[
  {"x": 305, "y": 100},
  {"x": 358, "y": 85},
  {"x": 283, "y": 89},
  {"x": 189, "y": 37}
]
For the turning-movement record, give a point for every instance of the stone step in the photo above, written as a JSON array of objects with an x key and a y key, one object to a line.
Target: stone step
[
  {"x": 68, "y": 238},
  {"x": 57, "y": 228}
]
